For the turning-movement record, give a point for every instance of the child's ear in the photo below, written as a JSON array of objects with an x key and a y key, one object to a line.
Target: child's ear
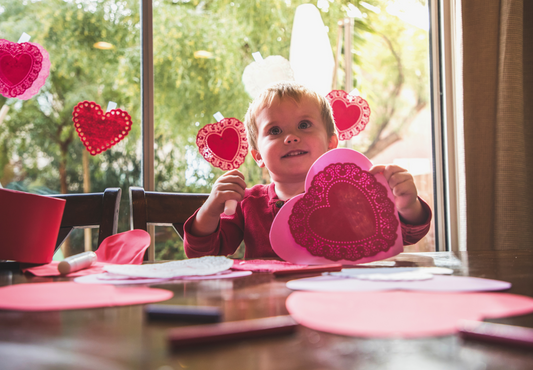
[
  {"x": 333, "y": 142},
  {"x": 257, "y": 157}
]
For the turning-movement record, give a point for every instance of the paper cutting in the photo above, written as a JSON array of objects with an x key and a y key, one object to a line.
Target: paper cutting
[
  {"x": 346, "y": 215},
  {"x": 351, "y": 113},
  {"x": 24, "y": 68},
  {"x": 99, "y": 131}
]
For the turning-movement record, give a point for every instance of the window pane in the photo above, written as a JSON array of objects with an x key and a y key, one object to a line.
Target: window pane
[
  {"x": 201, "y": 50},
  {"x": 94, "y": 50}
]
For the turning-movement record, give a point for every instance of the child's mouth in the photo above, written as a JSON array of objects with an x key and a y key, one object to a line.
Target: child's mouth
[{"x": 294, "y": 154}]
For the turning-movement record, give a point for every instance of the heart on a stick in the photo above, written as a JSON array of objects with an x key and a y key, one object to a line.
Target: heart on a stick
[
  {"x": 223, "y": 144},
  {"x": 99, "y": 131},
  {"x": 23, "y": 69},
  {"x": 351, "y": 113},
  {"x": 346, "y": 215}
]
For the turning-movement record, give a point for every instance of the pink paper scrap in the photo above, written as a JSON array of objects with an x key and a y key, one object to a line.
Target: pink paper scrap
[{"x": 400, "y": 314}]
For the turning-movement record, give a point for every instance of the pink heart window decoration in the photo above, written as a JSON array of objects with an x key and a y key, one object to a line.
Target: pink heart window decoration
[
  {"x": 346, "y": 215},
  {"x": 24, "y": 68},
  {"x": 351, "y": 113},
  {"x": 99, "y": 131},
  {"x": 223, "y": 144}
]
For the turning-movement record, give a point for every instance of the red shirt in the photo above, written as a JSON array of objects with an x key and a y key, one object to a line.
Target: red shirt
[{"x": 252, "y": 221}]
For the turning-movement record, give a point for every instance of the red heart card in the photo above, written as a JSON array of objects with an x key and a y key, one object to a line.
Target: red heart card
[
  {"x": 223, "y": 144},
  {"x": 24, "y": 68},
  {"x": 351, "y": 113},
  {"x": 99, "y": 131},
  {"x": 346, "y": 215}
]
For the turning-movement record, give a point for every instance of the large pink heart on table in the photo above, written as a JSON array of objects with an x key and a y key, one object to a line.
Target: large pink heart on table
[
  {"x": 400, "y": 314},
  {"x": 346, "y": 215},
  {"x": 223, "y": 144},
  {"x": 24, "y": 68},
  {"x": 99, "y": 131},
  {"x": 351, "y": 113}
]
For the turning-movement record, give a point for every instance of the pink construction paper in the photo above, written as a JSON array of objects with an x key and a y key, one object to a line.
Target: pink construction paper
[
  {"x": 400, "y": 314},
  {"x": 29, "y": 225},
  {"x": 360, "y": 223},
  {"x": 438, "y": 283},
  {"x": 351, "y": 113},
  {"x": 264, "y": 265},
  {"x": 223, "y": 144},
  {"x": 125, "y": 248},
  {"x": 71, "y": 296}
]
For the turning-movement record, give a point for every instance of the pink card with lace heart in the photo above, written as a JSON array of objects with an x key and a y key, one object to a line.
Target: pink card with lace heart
[
  {"x": 346, "y": 215},
  {"x": 223, "y": 144},
  {"x": 24, "y": 68},
  {"x": 97, "y": 130},
  {"x": 351, "y": 113}
]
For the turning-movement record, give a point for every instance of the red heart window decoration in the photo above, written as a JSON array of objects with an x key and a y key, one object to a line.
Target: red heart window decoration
[
  {"x": 99, "y": 131},
  {"x": 24, "y": 68},
  {"x": 223, "y": 144},
  {"x": 351, "y": 113},
  {"x": 346, "y": 215}
]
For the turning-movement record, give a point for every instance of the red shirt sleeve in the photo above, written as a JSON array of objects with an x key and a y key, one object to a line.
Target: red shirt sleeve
[{"x": 412, "y": 234}]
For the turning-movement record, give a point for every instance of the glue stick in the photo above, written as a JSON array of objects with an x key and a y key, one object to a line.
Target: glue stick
[{"x": 76, "y": 262}]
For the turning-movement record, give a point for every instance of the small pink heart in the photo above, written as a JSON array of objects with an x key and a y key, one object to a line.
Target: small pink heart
[
  {"x": 223, "y": 144},
  {"x": 351, "y": 113},
  {"x": 99, "y": 131},
  {"x": 20, "y": 66}
]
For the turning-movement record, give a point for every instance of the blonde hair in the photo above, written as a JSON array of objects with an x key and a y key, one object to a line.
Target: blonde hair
[{"x": 283, "y": 90}]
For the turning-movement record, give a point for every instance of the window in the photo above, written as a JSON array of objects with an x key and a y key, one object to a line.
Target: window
[{"x": 200, "y": 50}]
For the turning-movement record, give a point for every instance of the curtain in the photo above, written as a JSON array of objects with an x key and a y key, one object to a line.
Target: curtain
[{"x": 498, "y": 123}]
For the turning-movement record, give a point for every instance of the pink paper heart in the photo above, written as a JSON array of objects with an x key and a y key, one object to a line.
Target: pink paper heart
[
  {"x": 99, "y": 131},
  {"x": 346, "y": 215},
  {"x": 20, "y": 66},
  {"x": 351, "y": 113},
  {"x": 223, "y": 144}
]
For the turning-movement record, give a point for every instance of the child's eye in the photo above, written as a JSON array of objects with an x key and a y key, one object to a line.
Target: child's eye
[
  {"x": 304, "y": 125},
  {"x": 274, "y": 131}
]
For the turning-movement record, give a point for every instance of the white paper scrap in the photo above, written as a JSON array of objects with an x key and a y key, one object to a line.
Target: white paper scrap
[{"x": 192, "y": 267}]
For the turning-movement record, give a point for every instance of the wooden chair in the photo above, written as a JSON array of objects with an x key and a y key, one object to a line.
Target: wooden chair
[
  {"x": 90, "y": 210},
  {"x": 163, "y": 209}
]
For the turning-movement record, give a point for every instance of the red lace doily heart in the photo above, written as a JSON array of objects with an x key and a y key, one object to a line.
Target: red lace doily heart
[
  {"x": 20, "y": 65},
  {"x": 223, "y": 144},
  {"x": 99, "y": 131},
  {"x": 361, "y": 219},
  {"x": 351, "y": 113}
]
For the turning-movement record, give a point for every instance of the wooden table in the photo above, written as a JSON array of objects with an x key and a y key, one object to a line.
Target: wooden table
[{"x": 121, "y": 338}]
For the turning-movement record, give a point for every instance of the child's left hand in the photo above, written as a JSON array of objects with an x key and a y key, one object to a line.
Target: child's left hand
[{"x": 404, "y": 190}]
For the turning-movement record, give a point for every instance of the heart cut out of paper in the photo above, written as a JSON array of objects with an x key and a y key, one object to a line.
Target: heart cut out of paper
[
  {"x": 223, "y": 144},
  {"x": 351, "y": 113},
  {"x": 99, "y": 131},
  {"x": 346, "y": 215},
  {"x": 24, "y": 68}
]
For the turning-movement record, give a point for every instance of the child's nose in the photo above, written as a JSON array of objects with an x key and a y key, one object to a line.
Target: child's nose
[{"x": 291, "y": 138}]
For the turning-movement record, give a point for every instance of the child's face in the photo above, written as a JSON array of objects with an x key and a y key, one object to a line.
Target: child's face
[{"x": 290, "y": 138}]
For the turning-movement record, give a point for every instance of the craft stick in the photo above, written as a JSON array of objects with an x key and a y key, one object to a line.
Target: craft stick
[
  {"x": 76, "y": 262},
  {"x": 188, "y": 313},
  {"x": 233, "y": 330},
  {"x": 497, "y": 333}
]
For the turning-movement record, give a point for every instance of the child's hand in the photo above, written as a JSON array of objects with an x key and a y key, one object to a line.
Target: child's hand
[
  {"x": 404, "y": 190},
  {"x": 230, "y": 185}
]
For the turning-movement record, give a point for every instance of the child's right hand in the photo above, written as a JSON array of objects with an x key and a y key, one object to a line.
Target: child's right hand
[{"x": 229, "y": 186}]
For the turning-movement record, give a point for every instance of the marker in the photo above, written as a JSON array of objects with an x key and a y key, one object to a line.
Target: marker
[
  {"x": 76, "y": 262},
  {"x": 232, "y": 330},
  {"x": 497, "y": 333},
  {"x": 175, "y": 312}
]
